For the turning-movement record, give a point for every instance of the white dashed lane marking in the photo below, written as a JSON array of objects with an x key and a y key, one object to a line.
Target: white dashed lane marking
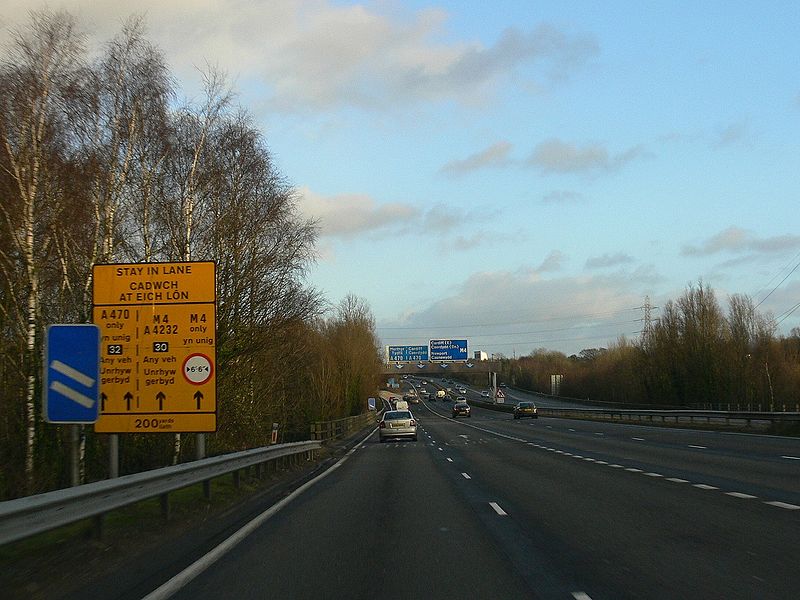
[
  {"x": 497, "y": 509},
  {"x": 785, "y": 505},
  {"x": 701, "y": 486}
]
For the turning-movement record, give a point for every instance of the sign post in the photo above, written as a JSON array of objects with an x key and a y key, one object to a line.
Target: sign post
[
  {"x": 158, "y": 347},
  {"x": 274, "y": 437},
  {"x": 499, "y": 397},
  {"x": 72, "y": 374},
  {"x": 72, "y": 382}
]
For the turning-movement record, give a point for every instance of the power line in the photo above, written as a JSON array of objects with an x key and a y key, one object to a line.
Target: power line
[
  {"x": 593, "y": 337},
  {"x": 574, "y": 317},
  {"x": 784, "y": 315},
  {"x": 779, "y": 284},
  {"x": 493, "y": 335},
  {"x": 774, "y": 277}
]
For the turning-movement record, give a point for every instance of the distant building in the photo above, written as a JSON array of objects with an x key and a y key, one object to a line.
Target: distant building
[{"x": 481, "y": 355}]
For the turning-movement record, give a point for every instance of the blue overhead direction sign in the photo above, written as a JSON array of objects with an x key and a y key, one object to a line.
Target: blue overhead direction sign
[
  {"x": 72, "y": 374},
  {"x": 448, "y": 350},
  {"x": 407, "y": 353}
]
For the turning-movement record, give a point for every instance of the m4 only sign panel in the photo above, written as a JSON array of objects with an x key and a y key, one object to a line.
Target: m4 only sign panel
[{"x": 158, "y": 347}]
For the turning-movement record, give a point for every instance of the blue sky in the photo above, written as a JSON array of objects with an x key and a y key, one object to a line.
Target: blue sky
[{"x": 521, "y": 174}]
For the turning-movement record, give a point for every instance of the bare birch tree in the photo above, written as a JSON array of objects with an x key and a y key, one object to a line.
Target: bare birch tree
[{"x": 40, "y": 71}]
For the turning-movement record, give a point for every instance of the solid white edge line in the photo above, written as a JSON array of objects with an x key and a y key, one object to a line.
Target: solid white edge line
[
  {"x": 497, "y": 509},
  {"x": 174, "y": 584}
]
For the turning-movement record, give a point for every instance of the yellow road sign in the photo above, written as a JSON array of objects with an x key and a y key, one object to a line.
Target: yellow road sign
[
  {"x": 158, "y": 355},
  {"x": 154, "y": 283}
]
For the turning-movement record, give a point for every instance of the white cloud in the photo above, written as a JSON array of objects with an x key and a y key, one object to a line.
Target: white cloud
[
  {"x": 495, "y": 155},
  {"x": 319, "y": 55},
  {"x": 738, "y": 240},
  {"x": 608, "y": 260},
  {"x": 562, "y": 197},
  {"x": 552, "y": 262},
  {"x": 732, "y": 134},
  {"x": 504, "y": 311},
  {"x": 349, "y": 215},
  {"x": 557, "y": 156},
  {"x": 352, "y": 215}
]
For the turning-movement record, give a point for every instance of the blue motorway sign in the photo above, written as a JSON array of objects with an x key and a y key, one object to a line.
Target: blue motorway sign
[
  {"x": 72, "y": 374},
  {"x": 448, "y": 350},
  {"x": 407, "y": 353}
]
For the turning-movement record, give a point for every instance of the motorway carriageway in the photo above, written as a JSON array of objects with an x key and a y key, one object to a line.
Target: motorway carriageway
[{"x": 492, "y": 507}]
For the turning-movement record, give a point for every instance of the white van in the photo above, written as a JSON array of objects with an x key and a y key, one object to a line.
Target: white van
[{"x": 401, "y": 405}]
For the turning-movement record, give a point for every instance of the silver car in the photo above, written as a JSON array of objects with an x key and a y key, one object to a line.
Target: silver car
[{"x": 397, "y": 424}]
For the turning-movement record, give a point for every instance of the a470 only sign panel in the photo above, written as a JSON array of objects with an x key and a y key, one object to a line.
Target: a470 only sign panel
[{"x": 158, "y": 347}]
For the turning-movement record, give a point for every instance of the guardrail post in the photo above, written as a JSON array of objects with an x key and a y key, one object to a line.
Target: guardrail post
[
  {"x": 207, "y": 489},
  {"x": 97, "y": 526},
  {"x": 164, "y": 500},
  {"x": 236, "y": 481}
]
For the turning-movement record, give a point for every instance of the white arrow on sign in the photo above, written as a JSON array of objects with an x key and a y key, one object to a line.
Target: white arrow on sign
[{"x": 67, "y": 391}]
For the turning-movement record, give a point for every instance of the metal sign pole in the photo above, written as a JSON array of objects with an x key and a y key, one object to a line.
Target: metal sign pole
[
  {"x": 113, "y": 456},
  {"x": 201, "y": 446},
  {"x": 74, "y": 442}
]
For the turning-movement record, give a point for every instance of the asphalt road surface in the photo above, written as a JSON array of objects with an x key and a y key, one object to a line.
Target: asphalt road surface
[{"x": 490, "y": 507}]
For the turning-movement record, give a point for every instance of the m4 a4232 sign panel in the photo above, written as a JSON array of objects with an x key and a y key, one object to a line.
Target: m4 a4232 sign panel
[{"x": 158, "y": 347}]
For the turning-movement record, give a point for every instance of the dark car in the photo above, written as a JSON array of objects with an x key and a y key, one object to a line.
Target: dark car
[
  {"x": 461, "y": 409},
  {"x": 525, "y": 409}
]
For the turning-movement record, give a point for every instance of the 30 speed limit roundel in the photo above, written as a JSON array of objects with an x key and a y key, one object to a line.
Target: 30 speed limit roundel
[{"x": 197, "y": 369}]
